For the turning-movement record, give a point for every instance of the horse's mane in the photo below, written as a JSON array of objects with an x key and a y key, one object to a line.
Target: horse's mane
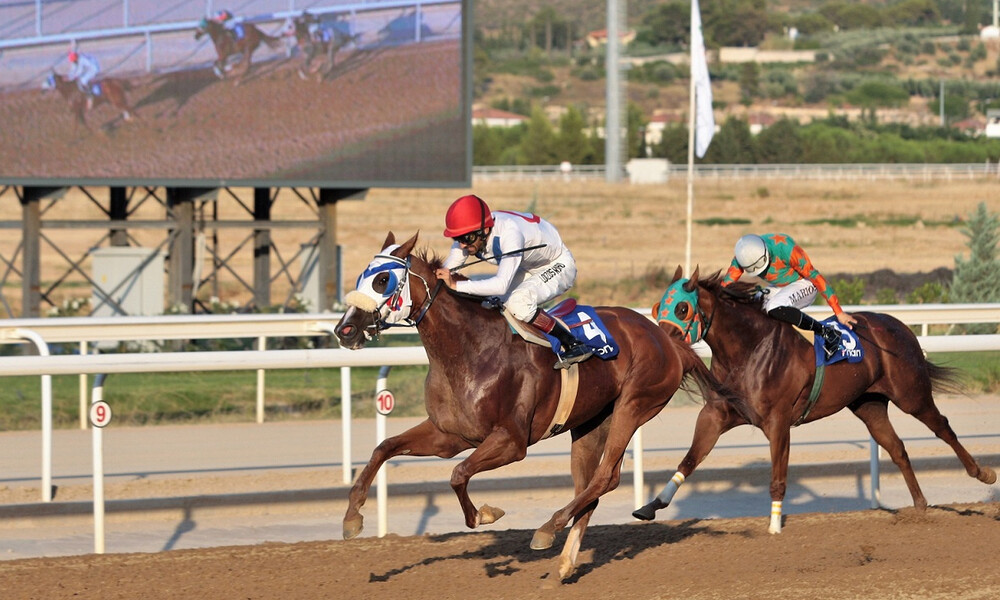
[
  {"x": 740, "y": 292},
  {"x": 434, "y": 261}
]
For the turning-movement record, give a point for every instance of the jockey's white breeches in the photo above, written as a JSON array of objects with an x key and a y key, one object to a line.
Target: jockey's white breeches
[
  {"x": 799, "y": 294},
  {"x": 531, "y": 288}
]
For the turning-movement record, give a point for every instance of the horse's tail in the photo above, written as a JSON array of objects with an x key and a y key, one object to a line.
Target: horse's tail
[
  {"x": 710, "y": 387},
  {"x": 944, "y": 379}
]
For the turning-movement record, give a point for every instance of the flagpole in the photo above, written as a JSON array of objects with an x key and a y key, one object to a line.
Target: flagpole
[{"x": 690, "y": 170}]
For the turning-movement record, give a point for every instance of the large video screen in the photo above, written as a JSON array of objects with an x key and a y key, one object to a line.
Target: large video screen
[{"x": 262, "y": 93}]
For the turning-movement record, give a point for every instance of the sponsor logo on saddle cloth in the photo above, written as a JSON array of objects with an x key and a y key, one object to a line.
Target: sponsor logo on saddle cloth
[
  {"x": 587, "y": 327},
  {"x": 850, "y": 345}
]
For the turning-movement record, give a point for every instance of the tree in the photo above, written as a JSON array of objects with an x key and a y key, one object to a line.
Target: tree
[
  {"x": 667, "y": 24},
  {"x": 733, "y": 144},
  {"x": 538, "y": 144},
  {"x": 749, "y": 82},
  {"x": 571, "y": 143},
  {"x": 635, "y": 122},
  {"x": 673, "y": 144},
  {"x": 978, "y": 278},
  {"x": 780, "y": 144}
]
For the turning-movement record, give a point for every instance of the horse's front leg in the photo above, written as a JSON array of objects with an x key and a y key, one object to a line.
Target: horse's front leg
[
  {"x": 501, "y": 447},
  {"x": 422, "y": 440},
  {"x": 714, "y": 419},
  {"x": 779, "y": 436}
]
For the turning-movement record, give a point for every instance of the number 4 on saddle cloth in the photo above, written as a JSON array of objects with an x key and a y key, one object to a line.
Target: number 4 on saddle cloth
[
  {"x": 850, "y": 345},
  {"x": 581, "y": 320}
]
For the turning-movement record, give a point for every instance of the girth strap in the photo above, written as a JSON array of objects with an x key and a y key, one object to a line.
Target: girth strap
[
  {"x": 813, "y": 394},
  {"x": 570, "y": 384},
  {"x": 569, "y": 378}
]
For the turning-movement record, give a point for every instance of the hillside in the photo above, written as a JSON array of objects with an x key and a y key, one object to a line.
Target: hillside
[{"x": 915, "y": 60}]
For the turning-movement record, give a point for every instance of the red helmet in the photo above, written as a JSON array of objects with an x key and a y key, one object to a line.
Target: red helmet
[
  {"x": 467, "y": 214},
  {"x": 73, "y": 56}
]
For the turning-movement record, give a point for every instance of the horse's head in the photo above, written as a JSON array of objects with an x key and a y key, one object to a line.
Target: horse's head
[
  {"x": 679, "y": 307},
  {"x": 202, "y": 29},
  {"x": 382, "y": 298}
]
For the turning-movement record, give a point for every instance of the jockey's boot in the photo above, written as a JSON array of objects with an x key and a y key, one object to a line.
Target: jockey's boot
[
  {"x": 831, "y": 340},
  {"x": 828, "y": 333},
  {"x": 573, "y": 350}
]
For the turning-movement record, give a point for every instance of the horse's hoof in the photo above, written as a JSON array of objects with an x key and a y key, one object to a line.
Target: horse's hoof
[
  {"x": 648, "y": 512},
  {"x": 489, "y": 514},
  {"x": 542, "y": 540},
  {"x": 352, "y": 527},
  {"x": 987, "y": 475},
  {"x": 565, "y": 568},
  {"x": 302, "y": 76}
]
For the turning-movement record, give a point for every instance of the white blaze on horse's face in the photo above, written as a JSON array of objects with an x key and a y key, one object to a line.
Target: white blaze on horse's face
[{"x": 384, "y": 288}]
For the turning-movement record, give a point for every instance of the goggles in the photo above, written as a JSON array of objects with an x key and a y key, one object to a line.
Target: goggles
[
  {"x": 756, "y": 266},
  {"x": 470, "y": 238}
]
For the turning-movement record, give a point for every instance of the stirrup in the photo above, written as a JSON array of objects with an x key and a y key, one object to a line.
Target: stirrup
[
  {"x": 831, "y": 341},
  {"x": 575, "y": 354}
]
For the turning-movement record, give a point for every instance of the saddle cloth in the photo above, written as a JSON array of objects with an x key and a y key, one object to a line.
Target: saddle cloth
[
  {"x": 850, "y": 346},
  {"x": 570, "y": 378}
]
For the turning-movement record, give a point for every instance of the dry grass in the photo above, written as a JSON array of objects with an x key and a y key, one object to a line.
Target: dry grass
[{"x": 621, "y": 235}]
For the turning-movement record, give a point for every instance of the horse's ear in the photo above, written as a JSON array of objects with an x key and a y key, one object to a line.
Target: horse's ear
[
  {"x": 692, "y": 283},
  {"x": 677, "y": 274},
  {"x": 656, "y": 308},
  {"x": 389, "y": 240},
  {"x": 407, "y": 247}
]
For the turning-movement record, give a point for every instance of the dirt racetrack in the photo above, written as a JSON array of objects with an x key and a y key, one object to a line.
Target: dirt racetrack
[
  {"x": 946, "y": 552},
  {"x": 272, "y": 127}
]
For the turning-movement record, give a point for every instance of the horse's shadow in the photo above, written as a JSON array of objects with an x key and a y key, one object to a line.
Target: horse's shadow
[
  {"x": 179, "y": 87},
  {"x": 509, "y": 551}
]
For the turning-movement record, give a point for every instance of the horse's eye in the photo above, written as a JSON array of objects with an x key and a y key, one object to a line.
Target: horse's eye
[
  {"x": 682, "y": 310},
  {"x": 381, "y": 283}
]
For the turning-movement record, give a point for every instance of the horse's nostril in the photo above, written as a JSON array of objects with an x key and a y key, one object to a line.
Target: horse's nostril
[{"x": 346, "y": 330}]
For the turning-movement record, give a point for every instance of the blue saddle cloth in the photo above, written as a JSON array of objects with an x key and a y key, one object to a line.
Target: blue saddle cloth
[
  {"x": 587, "y": 327},
  {"x": 850, "y": 346}
]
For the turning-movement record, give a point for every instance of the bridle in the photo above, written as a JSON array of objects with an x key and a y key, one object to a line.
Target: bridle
[{"x": 394, "y": 301}]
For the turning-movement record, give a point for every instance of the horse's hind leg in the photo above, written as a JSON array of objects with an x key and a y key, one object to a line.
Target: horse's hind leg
[
  {"x": 930, "y": 416},
  {"x": 422, "y": 440},
  {"x": 873, "y": 411},
  {"x": 628, "y": 415},
  {"x": 585, "y": 454}
]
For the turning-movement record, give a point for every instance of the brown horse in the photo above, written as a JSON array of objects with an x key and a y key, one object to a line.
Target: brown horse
[
  {"x": 489, "y": 390},
  {"x": 318, "y": 38},
  {"x": 112, "y": 92},
  {"x": 773, "y": 366},
  {"x": 226, "y": 44}
]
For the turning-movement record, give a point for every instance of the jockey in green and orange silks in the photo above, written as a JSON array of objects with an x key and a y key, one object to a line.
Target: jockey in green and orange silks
[{"x": 792, "y": 282}]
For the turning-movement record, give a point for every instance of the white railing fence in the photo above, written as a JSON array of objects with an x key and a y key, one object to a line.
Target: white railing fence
[
  {"x": 821, "y": 172},
  {"x": 262, "y": 326}
]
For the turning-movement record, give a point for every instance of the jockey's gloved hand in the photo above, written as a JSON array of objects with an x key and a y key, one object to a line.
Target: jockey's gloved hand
[{"x": 493, "y": 302}]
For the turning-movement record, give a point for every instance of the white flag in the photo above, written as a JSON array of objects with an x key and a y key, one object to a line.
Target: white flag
[{"x": 704, "y": 120}]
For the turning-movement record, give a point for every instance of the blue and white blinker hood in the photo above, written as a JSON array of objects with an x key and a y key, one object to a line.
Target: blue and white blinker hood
[{"x": 390, "y": 298}]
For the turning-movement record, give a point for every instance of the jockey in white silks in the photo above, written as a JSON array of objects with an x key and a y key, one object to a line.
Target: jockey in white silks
[
  {"x": 83, "y": 71},
  {"x": 533, "y": 265}
]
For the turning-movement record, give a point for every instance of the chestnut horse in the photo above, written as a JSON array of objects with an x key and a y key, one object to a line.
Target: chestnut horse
[
  {"x": 227, "y": 45},
  {"x": 490, "y": 390},
  {"x": 112, "y": 92},
  {"x": 773, "y": 367}
]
